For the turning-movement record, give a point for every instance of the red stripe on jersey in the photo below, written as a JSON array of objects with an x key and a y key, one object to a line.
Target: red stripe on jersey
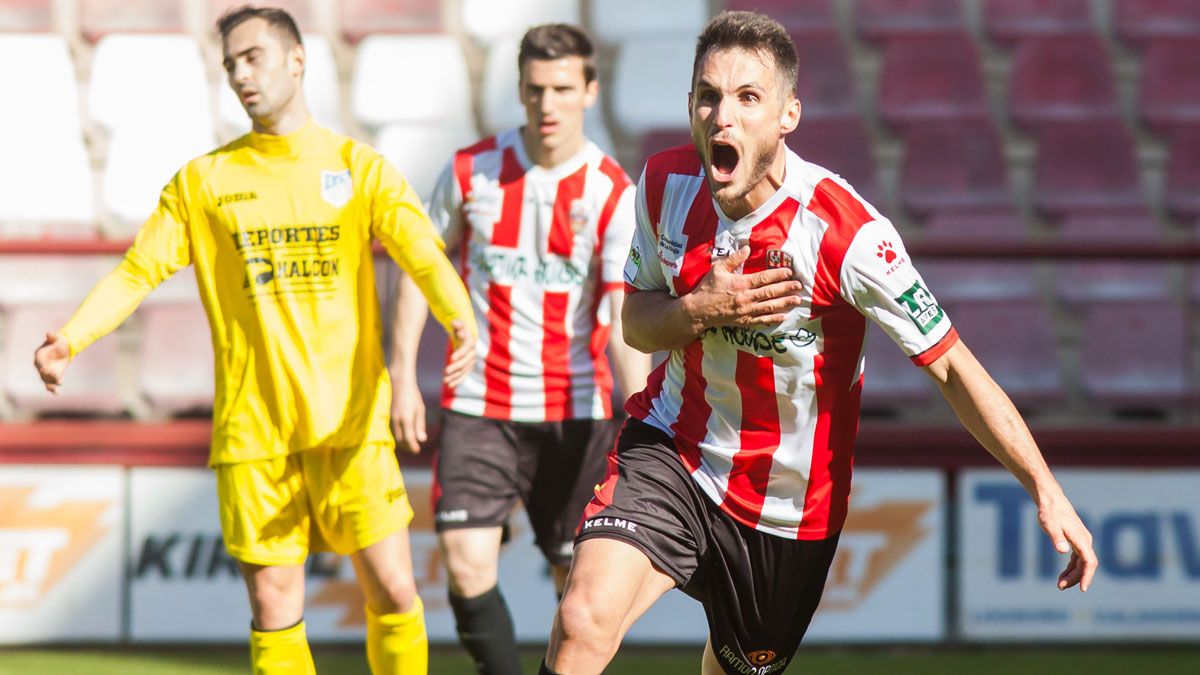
[
  {"x": 845, "y": 216},
  {"x": 556, "y": 359},
  {"x": 638, "y": 406},
  {"x": 935, "y": 352},
  {"x": 760, "y": 434},
  {"x": 507, "y": 231},
  {"x": 464, "y": 164},
  {"x": 699, "y": 229},
  {"x": 769, "y": 234},
  {"x": 691, "y": 426},
  {"x": 682, "y": 159},
  {"x": 497, "y": 367},
  {"x": 562, "y": 232},
  {"x": 620, "y": 183}
]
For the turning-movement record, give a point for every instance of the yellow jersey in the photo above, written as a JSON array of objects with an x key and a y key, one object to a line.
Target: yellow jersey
[{"x": 279, "y": 229}]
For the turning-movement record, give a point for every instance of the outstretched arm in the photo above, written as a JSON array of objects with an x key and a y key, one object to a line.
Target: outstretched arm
[{"x": 986, "y": 411}]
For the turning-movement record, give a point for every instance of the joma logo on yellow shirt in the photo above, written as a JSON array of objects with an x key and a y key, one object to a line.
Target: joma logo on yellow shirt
[{"x": 233, "y": 197}]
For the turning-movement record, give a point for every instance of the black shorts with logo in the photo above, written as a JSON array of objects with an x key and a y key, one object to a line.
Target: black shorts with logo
[
  {"x": 485, "y": 465},
  {"x": 759, "y": 590}
]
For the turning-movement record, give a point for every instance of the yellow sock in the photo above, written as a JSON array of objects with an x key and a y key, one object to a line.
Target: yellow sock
[
  {"x": 281, "y": 652},
  {"x": 396, "y": 643}
]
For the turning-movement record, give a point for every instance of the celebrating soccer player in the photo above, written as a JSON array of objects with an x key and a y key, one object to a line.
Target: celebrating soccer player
[
  {"x": 542, "y": 220},
  {"x": 278, "y": 225},
  {"x": 758, "y": 271}
]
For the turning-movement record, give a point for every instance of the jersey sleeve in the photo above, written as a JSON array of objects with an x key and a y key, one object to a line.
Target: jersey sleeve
[
  {"x": 879, "y": 279},
  {"x": 399, "y": 222},
  {"x": 643, "y": 272},
  {"x": 617, "y": 239},
  {"x": 445, "y": 206},
  {"x": 161, "y": 248}
]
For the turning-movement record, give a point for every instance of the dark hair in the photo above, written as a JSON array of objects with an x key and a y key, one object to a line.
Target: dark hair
[
  {"x": 753, "y": 32},
  {"x": 554, "y": 41},
  {"x": 277, "y": 18}
]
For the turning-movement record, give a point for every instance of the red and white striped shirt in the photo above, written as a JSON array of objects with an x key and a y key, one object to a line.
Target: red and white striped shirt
[
  {"x": 539, "y": 249},
  {"x": 765, "y": 418}
]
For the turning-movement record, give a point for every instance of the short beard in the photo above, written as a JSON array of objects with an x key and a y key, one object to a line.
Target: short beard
[{"x": 767, "y": 153}]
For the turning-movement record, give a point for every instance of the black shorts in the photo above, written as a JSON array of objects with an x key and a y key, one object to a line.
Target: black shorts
[
  {"x": 485, "y": 465},
  {"x": 759, "y": 590}
]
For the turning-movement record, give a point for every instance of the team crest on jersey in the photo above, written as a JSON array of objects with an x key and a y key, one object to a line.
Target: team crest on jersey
[
  {"x": 336, "y": 187},
  {"x": 579, "y": 215},
  {"x": 778, "y": 258}
]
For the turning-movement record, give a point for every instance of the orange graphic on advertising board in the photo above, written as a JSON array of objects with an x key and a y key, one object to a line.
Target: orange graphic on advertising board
[
  {"x": 40, "y": 544},
  {"x": 874, "y": 540}
]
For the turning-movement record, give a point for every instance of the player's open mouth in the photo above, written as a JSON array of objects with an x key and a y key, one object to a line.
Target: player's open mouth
[{"x": 724, "y": 160}]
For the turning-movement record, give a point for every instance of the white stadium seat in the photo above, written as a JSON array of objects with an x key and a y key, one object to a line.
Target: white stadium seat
[
  {"x": 140, "y": 164},
  {"x": 320, "y": 90},
  {"x": 651, "y": 83},
  {"x": 411, "y": 78},
  {"x": 149, "y": 79},
  {"x": 488, "y": 20},
  {"x": 40, "y": 94},
  {"x": 421, "y": 151},
  {"x": 50, "y": 279},
  {"x": 46, "y": 186},
  {"x": 614, "y": 20}
]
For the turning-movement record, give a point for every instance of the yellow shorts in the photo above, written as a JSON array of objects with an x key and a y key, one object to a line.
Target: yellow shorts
[{"x": 274, "y": 511}]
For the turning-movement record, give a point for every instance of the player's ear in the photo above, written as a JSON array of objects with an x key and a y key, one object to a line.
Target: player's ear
[
  {"x": 790, "y": 116},
  {"x": 296, "y": 60},
  {"x": 690, "y": 100},
  {"x": 590, "y": 92}
]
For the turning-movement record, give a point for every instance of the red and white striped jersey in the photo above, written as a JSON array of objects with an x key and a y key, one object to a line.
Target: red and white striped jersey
[
  {"x": 539, "y": 249},
  {"x": 765, "y": 418}
]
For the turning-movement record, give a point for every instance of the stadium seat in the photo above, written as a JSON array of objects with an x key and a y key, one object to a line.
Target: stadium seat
[
  {"x": 657, "y": 141},
  {"x": 98, "y": 18},
  {"x": 149, "y": 82},
  {"x": 411, "y": 78},
  {"x": 877, "y": 20},
  {"x": 139, "y": 165},
  {"x": 1193, "y": 274},
  {"x": 931, "y": 79},
  {"x": 91, "y": 384},
  {"x": 1169, "y": 89},
  {"x": 1088, "y": 283},
  {"x": 34, "y": 280},
  {"x": 1009, "y": 21},
  {"x": 420, "y": 152},
  {"x": 176, "y": 358},
  {"x": 840, "y": 145},
  {"x": 824, "y": 82},
  {"x": 301, "y": 11},
  {"x": 26, "y": 16},
  {"x": 800, "y": 18},
  {"x": 40, "y": 97},
  {"x": 1135, "y": 354},
  {"x": 46, "y": 187},
  {"x": 976, "y": 228},
  {"x": 1183, "y": 174},
  {"x": 1133, "y": 226},
  {"x": 1144, "y": 21},
  {"x": 614, "y": 21},
  {"x": 320, "y": 90},
  {"x": 1013, "y": 339},
  {"x": 891, "y": 381},
  {"x": 651, "y": 80},
  {"x": 1086, "y": 167},
  {"x": 956, "y": 166},
  {"x": 501, "y": 102},
  {"x": 361, "y": 18},
  {"x": 953, "y": 281},
  {"x": 1061, "y": 79},
  {"x": 490, "y": 21}
]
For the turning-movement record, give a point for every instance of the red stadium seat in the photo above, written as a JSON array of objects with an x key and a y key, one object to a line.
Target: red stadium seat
[
  {"x": 1086, "y": 167},
  {"x": 301, "y": 11},
  {"x": 361, "y": 18},
  {"x": 840, "y": 145},
  {"x": 976, "y": 228},
  {"x": 931, "y": 78},
  {"x": 98, "y": 18},
  {"x": 613, "y": 21},
  {"x": 1135, "y": 226},
  {"x": 1013, "y": 339},
  {"x": 1135, "y": 354},
  {"x": 1169, "y": 93},
  {"x": 1008, "y": 21},
  {"x": 26, "y": 16},
  {"x": 1194, "y": 283},
  {"x": 953, "y": 167},
  {"x": 1062, "y": 79},
  {"x": 881, "y": 19},
  {"x": 892, "y": 382},
  {"x": 1183, "y": 174},
  {"x": 657, "y": 141},
  {"x": 824, "y": 83},
  {"x": 967, "y": 280},
  {"x": 176, "y": 357},
  {"x": 1143, "y": 21},
  {"x": 1101, "y": 282},
  {"x": 800, "y": 18}
]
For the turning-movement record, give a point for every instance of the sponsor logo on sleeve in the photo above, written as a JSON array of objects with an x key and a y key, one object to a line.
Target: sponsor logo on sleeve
[
  {"x": 921, "y": 306},
  {"x": 635, "y": 255},
  {"x": 886, "y": 251}
]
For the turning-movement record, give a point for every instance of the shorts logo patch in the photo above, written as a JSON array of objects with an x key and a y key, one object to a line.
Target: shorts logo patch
[
  {"x": 455, "y": 516},
  {"x": 610, "y": 522},
  {"x": 922, "y": 308},
  {"x": 755, "y": 663},
  {"x": 761, "y": 656}
]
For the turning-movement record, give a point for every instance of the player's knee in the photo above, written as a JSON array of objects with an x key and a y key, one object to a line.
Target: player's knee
[
  {"x": 581, "y": 621},
  {"x": 396, "y": 594},
  {"x": 468, "y": 578},
  {"x": 275, "y": 607}
]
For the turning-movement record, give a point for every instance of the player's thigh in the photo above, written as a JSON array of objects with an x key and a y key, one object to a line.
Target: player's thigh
[
  {"x": 610, "y": 585},
  {"x": 264, "y": 511},
  {"x": 472, "y": 558},
  {"x": 476, "y": 472},
  {"x": 571, "y": 464},
  {"x": 356, "y": 495}
]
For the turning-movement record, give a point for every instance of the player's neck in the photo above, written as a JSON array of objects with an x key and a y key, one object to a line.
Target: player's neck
[
  {"x": 292, "y": 118},
  {"x": 547, "y": 157}
]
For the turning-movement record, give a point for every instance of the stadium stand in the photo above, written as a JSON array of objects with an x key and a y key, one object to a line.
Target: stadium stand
[
  {"x": 1150, "y": 337},
  {"x": 646, "y": 99},
  {"x": 1009, "y": 21},
  {"x": 1061, "y": 79},
  {"x": 98, "y": 18},
  {"x": 1088, "y": 283},
  {"x": 610, "y": 20},
  {"x": 489, "y": 21},
  {"x": 1116, "y": 227},
  {"x": 1086, "y": 166},
  {"x": 1169, "y": 92},
  {"x": 138, "y": 165},
  {"x": 967, "y": 280},
  {"x": 133, "y": 76},
  {"x": 842, "y": 146},
  {"x": 891, "y": 385},
  {"x": 1183, "y": 174},
  {"x": 1140, "y": 21},
  {"x": 301, "y": 11},
  {"x": 411, "y": 78},
  {"x": 931, "y": 79},
  {"x": 955, "y": 166},
  {"x": 176, "y": 358},
  {"x": 824, "y": 82},
  {"x": 421, "y": 151},
  {"x": 26, "y": 16},
  {"x": 877, "y": 20},
  {"x": 360, "y": 18},
  {"x": 812, "y": 17},
  {"x": 976, "y": 228}
]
